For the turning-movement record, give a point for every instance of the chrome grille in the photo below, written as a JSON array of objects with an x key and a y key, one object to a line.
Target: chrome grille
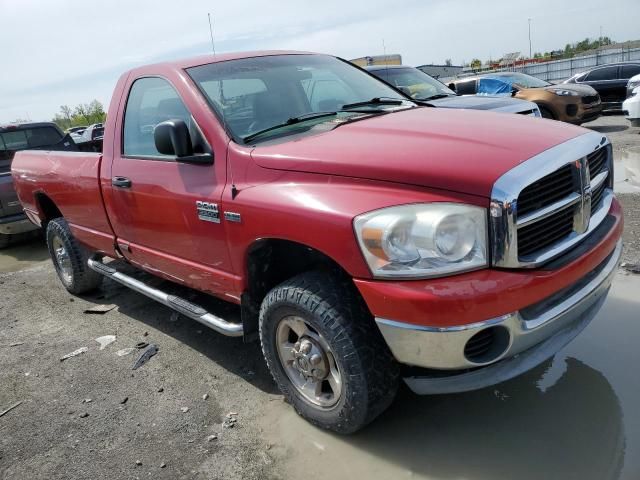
[{"x": 549, "y": 203}]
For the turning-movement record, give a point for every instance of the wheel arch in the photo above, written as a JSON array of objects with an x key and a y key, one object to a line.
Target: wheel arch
[
  {"x": 47, "y": 209},
  {"x": 271, "y": 261}
]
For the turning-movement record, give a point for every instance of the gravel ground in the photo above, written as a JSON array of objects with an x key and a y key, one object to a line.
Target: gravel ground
[{"x": 92, "y": 416}]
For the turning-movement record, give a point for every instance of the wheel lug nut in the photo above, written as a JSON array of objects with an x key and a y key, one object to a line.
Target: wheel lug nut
[
  {"x": 315, "y": 359},
  {"x": 306, "y": 347},
  {"x": 297, "y": 346}
]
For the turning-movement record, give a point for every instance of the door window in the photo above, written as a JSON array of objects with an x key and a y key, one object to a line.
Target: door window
[
  {"x": 151, "y": 101},
  {"x": 629, "y": 71},
  {"x": 607, "y": 73}
]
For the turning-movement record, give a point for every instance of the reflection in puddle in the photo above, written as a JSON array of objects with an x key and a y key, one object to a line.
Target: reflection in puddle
[
  {"x": 627, "y": 171},
  {"x": 574, "y": 417}
]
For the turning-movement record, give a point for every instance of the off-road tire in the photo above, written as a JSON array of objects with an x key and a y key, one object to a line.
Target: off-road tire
[
  {"x": 83, "y": 279},
  {"x": 332, "y": 306}
]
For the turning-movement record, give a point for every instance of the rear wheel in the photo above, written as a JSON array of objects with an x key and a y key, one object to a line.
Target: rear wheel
[
  {"x": 70, "y": 259},
  {"x": 325, "y": 353}
]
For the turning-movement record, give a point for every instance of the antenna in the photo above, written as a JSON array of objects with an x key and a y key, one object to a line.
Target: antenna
[
  {"x": 234, "y": 189},
  {"x": 386, "y": 60},
  {"x": 213, "y": 45}
]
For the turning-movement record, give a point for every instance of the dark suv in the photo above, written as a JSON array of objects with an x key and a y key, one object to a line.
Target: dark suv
[
  {"x": 21, "y": 137},
  {"x": 610, "y": 81}
]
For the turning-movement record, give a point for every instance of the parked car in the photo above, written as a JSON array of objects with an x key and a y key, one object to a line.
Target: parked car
[
  {"x": 91, "y": 138},
  {"x": 634, "y": 82},
  {"x": 575, "y": 104},
  {"x": 360, "y": 233},
  {"x": 420, "y": 86},
  {"x": 631, "y": 107},
  {"x": 14, "y": 138},
  {"x": 78, "y": 129},
  {"x": 610, "y": 81}
]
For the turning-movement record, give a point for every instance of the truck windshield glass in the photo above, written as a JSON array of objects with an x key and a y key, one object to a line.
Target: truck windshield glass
[
  {"x": 413, "y": 82},
  {"x": 21, "y": 139},
  {"x": 254, "y": 94}
]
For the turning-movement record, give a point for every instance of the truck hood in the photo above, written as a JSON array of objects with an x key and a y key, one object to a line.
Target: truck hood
[
  {"x": 482, "y": 103},
  {"x": 458, "y": 150}
]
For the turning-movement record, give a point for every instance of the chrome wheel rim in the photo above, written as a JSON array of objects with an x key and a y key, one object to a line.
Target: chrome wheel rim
[
  {"x": 309, "y": 362},
  {"x": 63, "y": 260}
]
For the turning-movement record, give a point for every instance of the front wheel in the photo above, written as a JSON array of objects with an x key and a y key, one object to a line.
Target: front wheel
[
  {"x": 70, "y": 259},
  {"x": 326, "y": 353}
]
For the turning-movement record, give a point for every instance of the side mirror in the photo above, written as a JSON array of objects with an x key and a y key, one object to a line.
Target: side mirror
[{"x": 172, "y": 138}]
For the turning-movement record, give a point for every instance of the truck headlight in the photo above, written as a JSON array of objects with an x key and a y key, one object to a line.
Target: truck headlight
[
  {"x": 565, "y": 93},
  {"x": 423, "y": 240}
]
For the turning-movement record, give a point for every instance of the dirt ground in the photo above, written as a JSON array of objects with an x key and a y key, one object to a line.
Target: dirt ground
[{"x": 93, "y": 416}]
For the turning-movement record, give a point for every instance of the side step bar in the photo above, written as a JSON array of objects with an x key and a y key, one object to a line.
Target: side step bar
[{"x": 185, "y": 307}]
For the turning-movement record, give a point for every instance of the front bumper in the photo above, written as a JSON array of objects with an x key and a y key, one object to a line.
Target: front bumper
[
  {"x": 520, "y": 331},
  {"x": 14, "y": 224},
  {"x": 525, "y": 316}
]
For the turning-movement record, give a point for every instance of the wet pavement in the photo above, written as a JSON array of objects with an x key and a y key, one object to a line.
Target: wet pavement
[
  {"x": 23, "y": 255},
  {"x": 574, "y": 417}
]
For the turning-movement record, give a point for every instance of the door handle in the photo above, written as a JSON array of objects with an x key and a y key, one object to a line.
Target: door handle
[{"x": 122, "y": 182}]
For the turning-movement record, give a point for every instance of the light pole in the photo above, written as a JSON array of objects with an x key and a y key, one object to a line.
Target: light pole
[{"x": 530, "y": 54}]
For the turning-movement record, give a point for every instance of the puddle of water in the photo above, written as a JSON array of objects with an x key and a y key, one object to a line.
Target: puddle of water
[
  {"x": 575, "y": 416},
  {"x": 626, "y": 172},
  {"x": 23, "y": 255}
]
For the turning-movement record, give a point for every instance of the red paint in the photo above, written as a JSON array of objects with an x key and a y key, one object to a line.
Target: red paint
[
  {"x": 481, "y": 295},
  {"x": 305, "y": 189}
]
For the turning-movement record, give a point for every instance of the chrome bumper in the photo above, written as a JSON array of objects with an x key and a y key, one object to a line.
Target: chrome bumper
[
  {"x": 530, "y": 336},
  {"x": 15, "y": 224}
]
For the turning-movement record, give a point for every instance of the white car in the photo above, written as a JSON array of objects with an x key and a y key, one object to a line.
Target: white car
[{"x": 631, "y": 107}]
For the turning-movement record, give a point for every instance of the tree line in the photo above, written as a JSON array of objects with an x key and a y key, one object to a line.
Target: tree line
[
  {"x": 570, "y": 50},
  {"x": 81, "y": 115}
]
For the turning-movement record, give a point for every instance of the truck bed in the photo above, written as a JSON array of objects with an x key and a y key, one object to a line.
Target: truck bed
[{"x": 71, "y": 181}]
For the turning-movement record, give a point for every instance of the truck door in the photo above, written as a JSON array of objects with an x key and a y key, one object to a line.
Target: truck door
[{"x": 164, "y": 212}]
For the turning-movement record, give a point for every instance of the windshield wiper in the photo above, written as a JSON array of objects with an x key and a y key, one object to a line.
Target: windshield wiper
[
  {"x": 290, "y": 121},
  {"x": 374, "y": 101},
  {"x": 436, "y": 96}
]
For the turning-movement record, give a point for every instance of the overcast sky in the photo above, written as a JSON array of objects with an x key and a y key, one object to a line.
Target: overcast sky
[{"x": 57, "y": 52}]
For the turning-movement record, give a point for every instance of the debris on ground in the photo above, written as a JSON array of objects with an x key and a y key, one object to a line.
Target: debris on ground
[
  {"x": 105, "y": 340},
  {"x": 138, "y": 462},
  {"x": 145, "y": 334},
  {"x": 100, "y": 309},
  {"x": 184, "y": 409},
  {"x": 10, "y": 408},
  {"x": 84, "y": 415},
  {"x": 144, "y": 357},
  {"x": 125, "y": 351},
  {"x": 163, "y": 465},
  {"x": 212, "y": 437},
  {"x": 631, "y": 267},
  {"x": 230, "y": 421},
  {"x": 205, "y": 396},
  {"x": 141, "y": 345},
  {"x": 160, "y": 390},
  {"x": 16, "y": 344},
  {"x": 124, "y": 400},
  {"x": 75, "y": 353},
  {"x": 87, "y": 400}
]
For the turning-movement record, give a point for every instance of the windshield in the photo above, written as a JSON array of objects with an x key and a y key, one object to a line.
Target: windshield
[
  {"x": 412, "y": 81},
  {"x": 254, "y": 94},
  {"x": 523, "y": 80}
]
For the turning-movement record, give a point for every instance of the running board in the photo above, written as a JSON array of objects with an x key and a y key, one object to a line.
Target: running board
[{"x": 185, "y": 307}]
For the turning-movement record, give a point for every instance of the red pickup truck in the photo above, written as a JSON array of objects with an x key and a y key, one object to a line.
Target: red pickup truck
[{"x": 366, "y": 238}]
